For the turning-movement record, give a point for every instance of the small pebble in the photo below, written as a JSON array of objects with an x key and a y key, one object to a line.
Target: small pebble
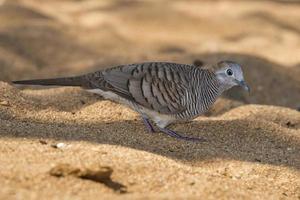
[
  {"x": 285, "y": 194},
  {"x": 59, "y": 145},
  {"x": 4, "y": 103},
  {"x": 290, "y": 124},
  {"x": 43, "y": 142},
  {"x": 257, "y": 160},
  {"x": 192, "y": 183}
]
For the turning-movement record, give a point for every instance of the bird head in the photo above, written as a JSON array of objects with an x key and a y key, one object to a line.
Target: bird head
[{"x": 230, "y": 74}]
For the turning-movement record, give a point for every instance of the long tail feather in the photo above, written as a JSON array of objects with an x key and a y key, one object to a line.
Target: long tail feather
[{"x": 69, "y": 81}]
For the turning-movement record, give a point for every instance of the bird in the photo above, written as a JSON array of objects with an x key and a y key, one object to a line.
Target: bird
[{"x": 162, "y": 93}]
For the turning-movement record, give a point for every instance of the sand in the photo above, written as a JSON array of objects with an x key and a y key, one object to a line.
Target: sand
[{"x": 65, "y": 143}]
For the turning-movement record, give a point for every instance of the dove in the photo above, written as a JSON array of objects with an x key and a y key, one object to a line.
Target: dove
[{"x": 162, "y": 93}]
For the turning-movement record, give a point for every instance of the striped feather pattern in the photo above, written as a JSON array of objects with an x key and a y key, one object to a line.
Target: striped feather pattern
[{"x": 183, "y": 91}]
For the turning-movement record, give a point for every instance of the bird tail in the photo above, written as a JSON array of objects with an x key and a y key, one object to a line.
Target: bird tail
[{"x": 68, "y": 81}]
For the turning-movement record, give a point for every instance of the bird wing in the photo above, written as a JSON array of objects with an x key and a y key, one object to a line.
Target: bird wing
[{"x": 157, "y": 86}]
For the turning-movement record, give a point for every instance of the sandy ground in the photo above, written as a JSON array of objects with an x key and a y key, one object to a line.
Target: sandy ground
[{"x": 253, "y": 147}]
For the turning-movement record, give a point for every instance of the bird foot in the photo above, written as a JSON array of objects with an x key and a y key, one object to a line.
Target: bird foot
[
  {"x": 178, "y": 136},
  {"x": 148, "y": 125},
  {"x": 171, "y": 133}
]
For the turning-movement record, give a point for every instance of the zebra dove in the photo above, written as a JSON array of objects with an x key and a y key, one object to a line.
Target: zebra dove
[{"x": 160, "y": 92}]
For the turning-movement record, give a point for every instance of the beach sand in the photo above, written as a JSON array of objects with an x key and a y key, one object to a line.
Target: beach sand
[{"x": 102, "y": 148}]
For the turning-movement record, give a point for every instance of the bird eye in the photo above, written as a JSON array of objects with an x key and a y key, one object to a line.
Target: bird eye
[{"x": 229, "y": 72}]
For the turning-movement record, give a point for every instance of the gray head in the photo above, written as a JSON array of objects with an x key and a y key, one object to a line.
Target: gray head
[{"x": 230, "y": 74}]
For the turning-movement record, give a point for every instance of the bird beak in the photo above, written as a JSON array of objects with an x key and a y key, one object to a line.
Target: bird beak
[{"x": 244, "y": 85}]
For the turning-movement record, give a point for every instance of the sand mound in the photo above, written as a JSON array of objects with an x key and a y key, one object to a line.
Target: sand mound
[{"x": 252, "y": 147}]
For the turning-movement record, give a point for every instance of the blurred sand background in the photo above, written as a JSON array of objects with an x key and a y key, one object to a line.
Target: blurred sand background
[{"x": 253, "y": 148}]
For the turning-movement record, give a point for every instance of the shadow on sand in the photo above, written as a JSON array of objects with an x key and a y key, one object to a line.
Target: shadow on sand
[{"x": 238, "y": 139}]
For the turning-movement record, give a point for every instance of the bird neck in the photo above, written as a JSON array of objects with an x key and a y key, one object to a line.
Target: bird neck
[
  {"x": 208, "y": 90},
  {"x": 222, "y": 83},
  {"x": 213, "y": 84}
]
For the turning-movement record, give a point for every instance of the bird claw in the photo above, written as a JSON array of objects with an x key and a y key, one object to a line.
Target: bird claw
[{"x": 178, "y": 136}]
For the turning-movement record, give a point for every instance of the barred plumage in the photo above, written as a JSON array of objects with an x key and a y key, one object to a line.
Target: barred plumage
[
  {"x": 163, "y": 87},
  {"x": 160, "y": 91}
]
